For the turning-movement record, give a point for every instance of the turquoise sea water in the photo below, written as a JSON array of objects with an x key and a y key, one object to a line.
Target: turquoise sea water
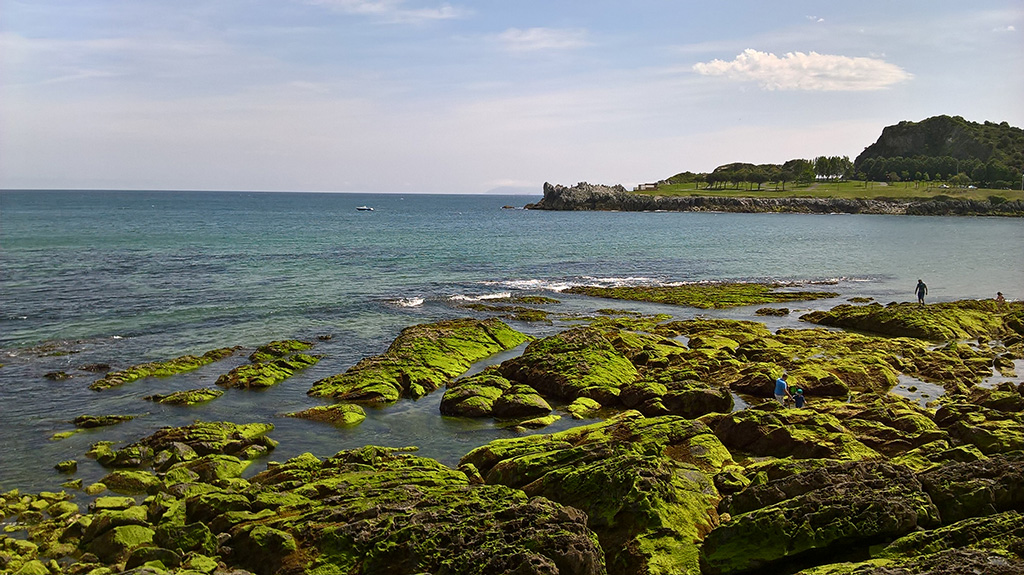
[{"x": 126, "y": 277}]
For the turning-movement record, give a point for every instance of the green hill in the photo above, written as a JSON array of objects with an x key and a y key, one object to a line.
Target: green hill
[{"x": 989, "y": 154}]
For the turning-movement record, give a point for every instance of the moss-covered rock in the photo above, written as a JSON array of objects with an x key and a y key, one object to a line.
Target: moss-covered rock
[
  {"x": 520, "y": 401},
  {"x": 886, "y": 423},
  {"x": 816, "y": 513},
  {"x": 344, "y": 414},
  {"x": 278, "y": 349},
  {"x": 420, "y": 360},
  {"x": 117, "y": 544},
  {"x": 91, "y": 421},
  {"x": 643, "y": 482},
  {"x": 976, "y": 488},
  {"x": 964, "y": 319},
  {"x": 171, "y": 445},
  {"x": 382, "y": 510},
  {"x": 266, "y": 373},
  {"x": 132, "y": 482},
  {"x": 583, "y": 408},
  {"x": 704, "y": 296},
  {"x": 67, "y": 466},
  {"x": 580, "y": 362},
  {"x": 187, "y": 397},
  {"x": 474, "y": 396},
  {"x": 991, "y": 431},
  {"x": 161, "y": 368},
  {"x": 674, "y": 392},
  {"x": 770, "y": 430}
]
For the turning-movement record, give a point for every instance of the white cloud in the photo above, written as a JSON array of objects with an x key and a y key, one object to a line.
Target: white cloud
[
  {"x": 1005, "y": 29},
  {"x": 538, "y": 39},
  {"x": 393, "y": 11},
  {"x": 810, "y": 71}
]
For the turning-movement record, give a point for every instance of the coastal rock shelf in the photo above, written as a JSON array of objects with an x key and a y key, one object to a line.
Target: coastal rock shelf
[
  {"x": 668, "y": 477},
  {"x": 584, "y": 196}
]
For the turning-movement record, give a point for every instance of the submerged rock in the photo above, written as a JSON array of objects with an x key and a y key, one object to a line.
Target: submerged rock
[
  {"x": 704, "y": 296},
  {"x": 90, "y": 421},
  {"x": 161, "y": 368},
  {"x": 344, "y": 414},
  {"x": 266, "y": 373},
  {"x": 188, "y": 397}
]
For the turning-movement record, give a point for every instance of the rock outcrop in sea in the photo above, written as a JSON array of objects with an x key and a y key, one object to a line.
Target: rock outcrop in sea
[
  {"x": 668, "y": 478},
  {"x": 585, "y": 196}
]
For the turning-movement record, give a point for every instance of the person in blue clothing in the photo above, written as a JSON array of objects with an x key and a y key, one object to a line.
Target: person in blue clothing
[
  {"x": 782, "y": 389},
  {"x": 798, "y": 399},
  {"x": 921, "y": 290}
]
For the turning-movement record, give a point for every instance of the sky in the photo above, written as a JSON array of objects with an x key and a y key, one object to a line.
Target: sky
[{"x": 476, "y": 96}]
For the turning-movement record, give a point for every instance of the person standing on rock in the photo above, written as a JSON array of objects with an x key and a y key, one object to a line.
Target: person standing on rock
[
  {"x": 921, "y": 290},
  {"x": 782, "y": 389},
  {"x": 798, "y": 399}
]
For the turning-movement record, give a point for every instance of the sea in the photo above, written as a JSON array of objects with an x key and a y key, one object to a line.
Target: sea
[{"x": 126, "y": 277}]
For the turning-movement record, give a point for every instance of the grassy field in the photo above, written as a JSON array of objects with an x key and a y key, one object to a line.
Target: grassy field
[{"x": 847, "y": 190}]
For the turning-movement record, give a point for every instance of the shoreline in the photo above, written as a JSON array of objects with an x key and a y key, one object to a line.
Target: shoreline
[{"x": 594, "y": 197}]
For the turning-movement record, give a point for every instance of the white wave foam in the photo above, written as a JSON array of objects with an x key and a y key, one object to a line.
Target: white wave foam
[
  {"x": 562, "y": 284},
  {"x": 499, "y": 295},
  {"x": 408, "y": 302}
]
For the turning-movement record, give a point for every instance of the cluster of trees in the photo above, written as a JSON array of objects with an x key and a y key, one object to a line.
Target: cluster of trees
[
  {"x": 942, "y": 148},
  {"x": 797, "y": 170},
  {"x": 990, "y": 174}
]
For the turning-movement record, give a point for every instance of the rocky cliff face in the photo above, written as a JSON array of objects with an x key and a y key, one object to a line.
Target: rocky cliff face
[{"x": 585, "y": 196}]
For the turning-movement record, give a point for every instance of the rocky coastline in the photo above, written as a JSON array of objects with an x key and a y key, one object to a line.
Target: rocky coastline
[
  {"x": 584, "y": 196},
  {"x": 667, "y": 476}
]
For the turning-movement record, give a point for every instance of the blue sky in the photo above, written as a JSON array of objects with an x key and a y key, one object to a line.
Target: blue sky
[{"x": 469, "y": 97}]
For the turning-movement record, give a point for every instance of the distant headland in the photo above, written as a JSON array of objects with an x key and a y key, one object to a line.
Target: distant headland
[{"x": 940, "y": 166}]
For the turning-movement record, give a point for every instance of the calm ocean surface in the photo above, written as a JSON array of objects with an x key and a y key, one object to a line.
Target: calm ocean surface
[{"x": 127, "y": 277}]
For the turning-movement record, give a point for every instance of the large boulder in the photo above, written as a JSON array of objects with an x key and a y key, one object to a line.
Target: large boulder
[
  {"x": 817, "y": 512},
  {"x": 644, "y": 483},
  {"x": 770, "y": 430},
  {"x": 377, "y": 510},
  {"x": 580, "y": 362}
]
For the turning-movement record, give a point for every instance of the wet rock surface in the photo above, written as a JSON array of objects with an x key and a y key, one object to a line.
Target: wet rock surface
[{"x": 667, "y": 478}]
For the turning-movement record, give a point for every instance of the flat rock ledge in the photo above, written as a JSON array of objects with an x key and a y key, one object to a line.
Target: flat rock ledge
[{"x": 594, "y": 197}]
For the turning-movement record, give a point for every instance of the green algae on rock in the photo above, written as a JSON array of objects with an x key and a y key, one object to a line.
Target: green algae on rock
[
  {"x": 91, "y": 421},
  {"x": 344, "y": 414},
  {"x": 422, "y": 359},
  {"x": 643, "y": 483},
  {"x": 964, "y": 319},
  {"x": 266, "y": 373},
  {"x": 187, "y": 397},
  {"x": 161, "y": 368},
  {"x": 825, "y": 510},
  {"x": 170, "y": 445},
  {"x": 380, "y": 510},
  {"x": 769, "y": 429},
  {"x": 278, "y": 349},
  {"x": 580, "y": 362},
  {"x": 704, "y": 296}
]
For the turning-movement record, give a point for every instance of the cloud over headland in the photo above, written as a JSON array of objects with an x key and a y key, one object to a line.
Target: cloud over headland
[{"x": 806, "y": 71}]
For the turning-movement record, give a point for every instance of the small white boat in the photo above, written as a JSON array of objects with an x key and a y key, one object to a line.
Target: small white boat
[{"x": 364, "y": 208}]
